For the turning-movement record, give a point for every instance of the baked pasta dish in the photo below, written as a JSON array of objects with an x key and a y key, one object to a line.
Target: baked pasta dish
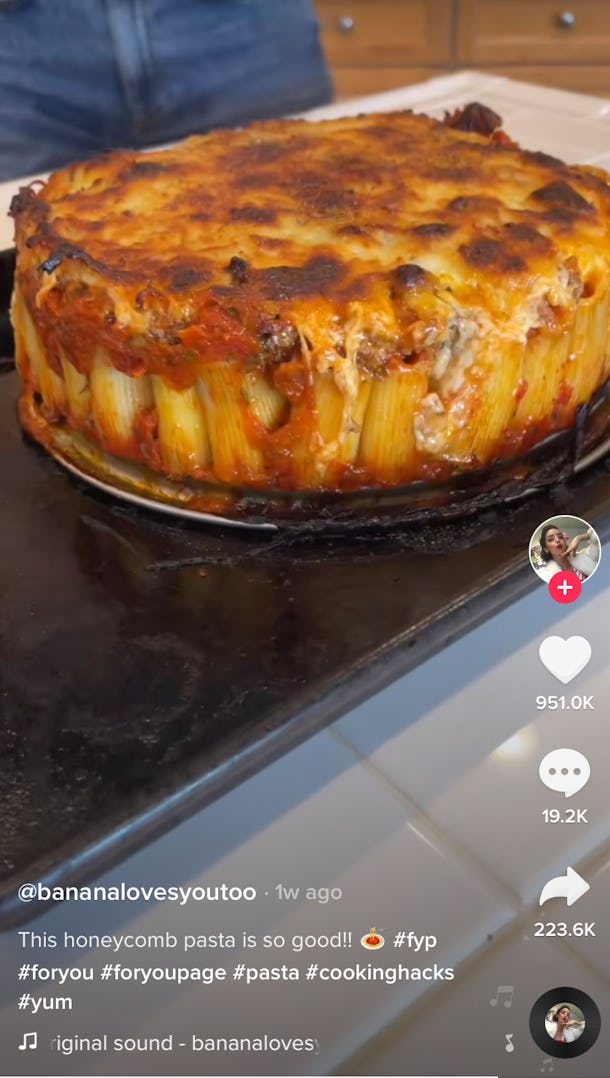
[{"x": 296, "y": 306}]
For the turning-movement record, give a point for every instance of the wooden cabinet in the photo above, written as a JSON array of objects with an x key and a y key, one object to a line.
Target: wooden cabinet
[
  {"x": 392, "y": 32},
  {"x": 374, "y": 45},
  {"x": 533, "y": 32}
]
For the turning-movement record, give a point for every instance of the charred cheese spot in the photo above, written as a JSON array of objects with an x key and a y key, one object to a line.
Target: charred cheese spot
[
  {"x": 451, "y": 172},
  {"x": 187, "y": 277},
  {"x": 252, "y": 181},
  {"x": 138, "y": 169},
  {"x": 317, "y": 276},
  {"x": 410, "y": 276},
  {"x": 352, "y": 230},
  {"x": 433, "y": 230},
  {"x": 322, "y": 197},
  {"x": 562, "y": 195},
  {"x": 472, "y": 204},
  {"x": 258, "y": 215},
  {"x": 490, "y": 254},
  {"x": 263, "y": 152},
  {"x": 537, "y": 157},
  {"x": 529, "y": 236},
  {"x": 239, "y": 269}
]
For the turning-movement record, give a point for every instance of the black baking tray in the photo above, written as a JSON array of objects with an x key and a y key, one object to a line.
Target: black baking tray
[{"x": 148, "y": 665}]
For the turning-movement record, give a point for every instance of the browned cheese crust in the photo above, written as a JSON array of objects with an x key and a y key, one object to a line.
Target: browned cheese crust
[{"x": 297, "y": 305}]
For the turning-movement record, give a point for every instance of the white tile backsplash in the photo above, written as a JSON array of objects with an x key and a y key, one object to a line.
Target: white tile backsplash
[{"x": 471, "y": 763}]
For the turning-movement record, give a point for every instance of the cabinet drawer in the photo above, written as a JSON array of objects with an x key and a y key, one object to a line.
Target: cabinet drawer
[
  {"x": 534, "y": 31},
  {"x": 370, "y": 32}
]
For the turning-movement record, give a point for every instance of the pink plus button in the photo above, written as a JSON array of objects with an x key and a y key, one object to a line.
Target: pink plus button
[{"x": 564, "y": 587}]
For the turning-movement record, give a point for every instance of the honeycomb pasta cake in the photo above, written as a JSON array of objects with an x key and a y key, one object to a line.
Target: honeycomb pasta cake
[{"x": 298, "y": 306}]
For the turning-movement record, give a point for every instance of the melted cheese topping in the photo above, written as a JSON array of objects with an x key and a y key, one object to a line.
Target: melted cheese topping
[{"x": 359, "y": 247}]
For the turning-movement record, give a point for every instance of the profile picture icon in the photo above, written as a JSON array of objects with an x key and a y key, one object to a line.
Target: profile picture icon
[
  {"x": 565, "y": 1023},
  {"x": 564, "y": 544}
]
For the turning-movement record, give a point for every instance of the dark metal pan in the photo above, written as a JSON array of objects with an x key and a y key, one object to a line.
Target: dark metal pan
[{"x": 148, "y": 664}]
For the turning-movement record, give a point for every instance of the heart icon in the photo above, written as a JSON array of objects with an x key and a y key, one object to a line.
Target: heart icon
[{"x": 564, "y": 659}]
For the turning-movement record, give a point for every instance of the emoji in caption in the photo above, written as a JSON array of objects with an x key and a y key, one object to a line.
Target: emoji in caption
[
  {"x": 565, "y": 659},
  {"x": 373, "y": 940},
  {"x": 565, "y": 770}
]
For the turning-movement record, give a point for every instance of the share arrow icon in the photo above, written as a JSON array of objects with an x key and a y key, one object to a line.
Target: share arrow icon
[{"x": 571, "y": 887}]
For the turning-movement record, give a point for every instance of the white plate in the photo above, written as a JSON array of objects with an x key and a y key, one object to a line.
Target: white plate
[{"x": 130, "y": 476}]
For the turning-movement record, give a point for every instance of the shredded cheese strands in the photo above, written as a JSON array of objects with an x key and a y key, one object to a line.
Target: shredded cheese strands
[
  {"x": 468, "y": 417},
  {"x": 117, "y": 400},
  {"x": 345, "y": 371},
  {"x": 78, "y": 390},
  {"x": 183, "y": 436},
  {"x": 387, "y": 442},
  {"x": 224, "y": 397},
  {"x": 490, "y": 395},
  {"x": 339, "y": 429},
  {"x": 330, "y": 423},
  {"x": 267, "y": 404},
  {"x": 304, "y": 417}
]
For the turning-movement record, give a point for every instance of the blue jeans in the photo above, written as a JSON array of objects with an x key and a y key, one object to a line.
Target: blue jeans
[{"x": 78, "y": 77}]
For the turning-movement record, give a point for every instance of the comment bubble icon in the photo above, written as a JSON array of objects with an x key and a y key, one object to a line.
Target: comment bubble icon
[{"x": 565, "y": 770}]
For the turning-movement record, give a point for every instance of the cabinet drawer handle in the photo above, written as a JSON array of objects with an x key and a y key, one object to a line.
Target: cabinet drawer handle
[
  {"x": 567, "y": 20},
  {"x": 345, "y": 24}
]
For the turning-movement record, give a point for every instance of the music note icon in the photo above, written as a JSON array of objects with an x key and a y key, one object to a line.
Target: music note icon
[
  {"x": 547, "y": 1065},
  {"x": 509, "y": 1047},
  {"x": 503, "y": 990},
  {"x": 30, "y": 1040}
]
